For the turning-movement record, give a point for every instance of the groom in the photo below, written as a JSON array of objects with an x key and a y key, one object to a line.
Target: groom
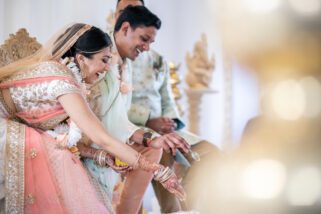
[
  {"x": 153, "y": 106},
  {"x": 134, "y": 31}
]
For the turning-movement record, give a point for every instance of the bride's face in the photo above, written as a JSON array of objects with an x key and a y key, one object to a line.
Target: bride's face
[{"x": 93, "y": 67}]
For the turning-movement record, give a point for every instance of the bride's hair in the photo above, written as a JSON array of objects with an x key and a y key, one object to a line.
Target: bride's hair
[{"x": 91, "y": 42}]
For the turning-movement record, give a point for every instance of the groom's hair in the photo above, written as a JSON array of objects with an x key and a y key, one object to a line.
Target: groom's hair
[
  {"x": 138, "y": 16},
  {"x": 142, "y": 1}
]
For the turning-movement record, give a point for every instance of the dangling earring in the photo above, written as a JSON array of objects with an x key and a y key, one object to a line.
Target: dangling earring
[{"x": 82, "y": 71}]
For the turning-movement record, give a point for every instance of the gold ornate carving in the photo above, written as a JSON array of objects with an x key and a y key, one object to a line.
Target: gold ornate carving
[
  {"x": 194, "y": 98},
  {"x": 200, "y": 66},
  {"x": 110, "y": 20},
  {"x": 175, "y": 80},
  {"x": 18, "y": 46}
]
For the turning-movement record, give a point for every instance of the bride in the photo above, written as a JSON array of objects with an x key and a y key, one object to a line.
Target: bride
[{"x": 43, "y": 113}]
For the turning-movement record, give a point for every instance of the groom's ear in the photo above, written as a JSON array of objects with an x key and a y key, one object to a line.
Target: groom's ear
[{"x": 124, "y": 28}]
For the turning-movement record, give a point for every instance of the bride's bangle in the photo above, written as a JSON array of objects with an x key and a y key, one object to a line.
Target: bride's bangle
[
  {"x": 100, "y": 158},
  {"x": 161, "y": 173}
]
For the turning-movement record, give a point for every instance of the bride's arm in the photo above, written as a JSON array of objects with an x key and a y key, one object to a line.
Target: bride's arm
[{"x": 78, "y": 110}]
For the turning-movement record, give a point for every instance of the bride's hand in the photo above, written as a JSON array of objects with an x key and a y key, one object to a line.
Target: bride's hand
[
  {"x": 174, "y": 186},
  {"x": 110, "y": 161}
]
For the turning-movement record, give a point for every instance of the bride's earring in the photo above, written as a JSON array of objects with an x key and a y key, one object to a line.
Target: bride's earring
[
  {"x": 82, "y": 66},
  {"x": 82, "y": 71}
]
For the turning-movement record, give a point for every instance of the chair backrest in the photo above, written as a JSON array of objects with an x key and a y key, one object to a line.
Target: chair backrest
[{"x": 18, "y": 46}]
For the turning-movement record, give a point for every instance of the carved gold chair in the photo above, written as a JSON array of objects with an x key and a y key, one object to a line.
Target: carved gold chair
[{"x": 18, "y": 46}]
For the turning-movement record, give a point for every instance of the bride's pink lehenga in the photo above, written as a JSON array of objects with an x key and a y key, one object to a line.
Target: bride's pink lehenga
[{"x": 41, "y": 176}]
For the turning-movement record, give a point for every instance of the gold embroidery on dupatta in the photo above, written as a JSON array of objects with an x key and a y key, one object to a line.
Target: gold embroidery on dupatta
[
  {"x": 33, "y": 153},
  {"x": 43, "y": 69},
  {"x": 14, "y": 166},
  {"x": 6, "y": 107},
  {"x": 52, "y": 122}
]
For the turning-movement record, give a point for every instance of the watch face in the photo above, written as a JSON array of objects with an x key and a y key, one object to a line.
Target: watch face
[
  {"x": 146, "y": 138},
  {"x": 148, "y": 135}
]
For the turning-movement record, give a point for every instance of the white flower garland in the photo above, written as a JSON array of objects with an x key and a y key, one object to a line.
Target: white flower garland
[
  {"x": 74, "y": 70},
  {"x": 70, "y": 134}
]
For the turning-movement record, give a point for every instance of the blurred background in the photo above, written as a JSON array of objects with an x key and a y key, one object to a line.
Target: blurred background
[{"x": 265, "y": 112}]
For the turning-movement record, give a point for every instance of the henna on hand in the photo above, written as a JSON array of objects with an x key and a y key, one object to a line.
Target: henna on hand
[
  {"x": 86, "y": 151},
  {"x": 107, "y": 159},
  {"x": 164, "y": 175}
]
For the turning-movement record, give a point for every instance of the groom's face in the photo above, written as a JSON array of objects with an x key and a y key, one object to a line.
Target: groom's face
[{"x": 131, "y": 42}]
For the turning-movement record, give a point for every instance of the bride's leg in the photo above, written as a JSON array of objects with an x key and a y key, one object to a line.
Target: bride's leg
[{"x": 136, "y": 182}]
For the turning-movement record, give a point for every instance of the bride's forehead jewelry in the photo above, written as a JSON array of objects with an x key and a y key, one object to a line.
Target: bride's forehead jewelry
[{"x": 88, "y": 52}]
